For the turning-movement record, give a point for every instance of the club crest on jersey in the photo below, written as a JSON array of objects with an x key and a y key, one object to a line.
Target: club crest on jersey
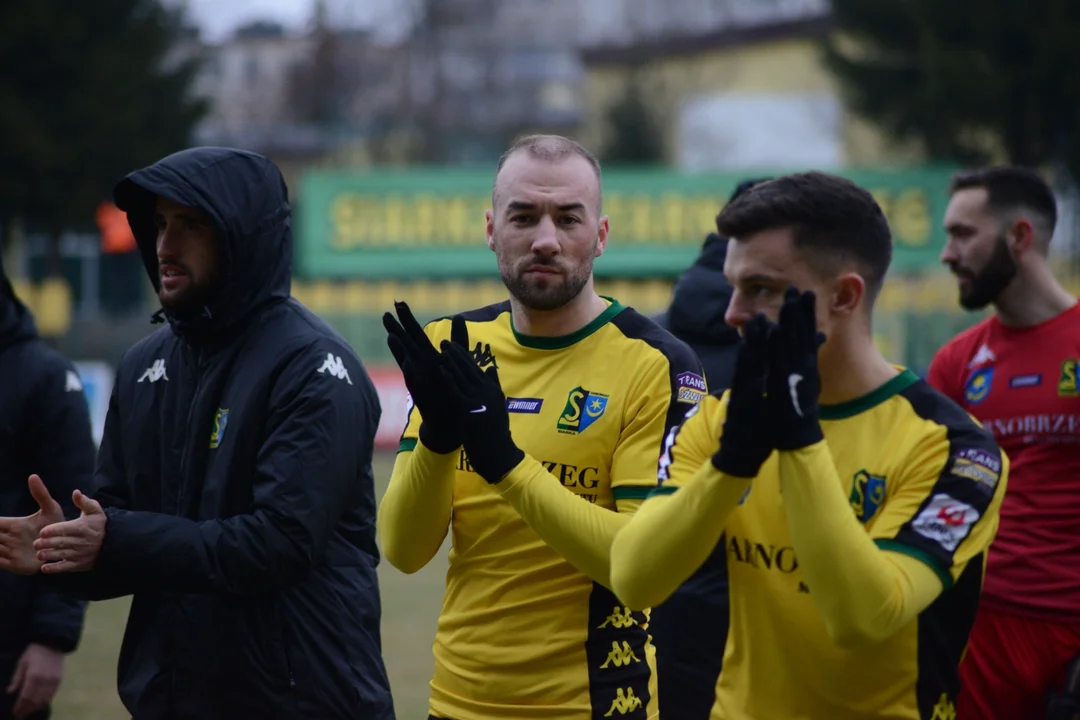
[
  {"x": 867, "y": 495},
  {"x": 978, "y": 385},
  {"x": 583, "y": 408},
  {"x": 1067, "y": 381},
  {"x": 221, "y": 419}
]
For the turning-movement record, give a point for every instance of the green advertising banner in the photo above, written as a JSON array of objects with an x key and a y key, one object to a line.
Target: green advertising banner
[{"x": 430, "y": 223}]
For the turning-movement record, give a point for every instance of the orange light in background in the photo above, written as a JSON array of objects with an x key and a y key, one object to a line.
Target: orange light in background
[{"x": 116, "y": 236}]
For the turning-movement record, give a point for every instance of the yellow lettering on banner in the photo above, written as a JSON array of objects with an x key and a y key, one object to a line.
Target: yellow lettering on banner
[
  {"x": 908, "y": 213},
  {"x": 637, "y": 217},
  {"x": 426, "y": 215},
  {"x": 464, "y": 226}
]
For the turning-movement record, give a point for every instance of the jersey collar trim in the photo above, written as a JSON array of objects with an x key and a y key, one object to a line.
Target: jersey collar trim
[
  {"x": 565, "y": 341},
  {"x": 851, "y": 408}
]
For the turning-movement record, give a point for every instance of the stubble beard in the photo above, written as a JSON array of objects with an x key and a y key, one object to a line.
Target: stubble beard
[{"x": 545, "y": 293}]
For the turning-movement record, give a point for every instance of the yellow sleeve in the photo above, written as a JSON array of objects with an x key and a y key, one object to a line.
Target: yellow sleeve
[
  {"x": 867, "y": 589},
  {"x": 414, "y": 514},
  {"x": 945, "y": 509},
  {"x": 582, "y": 532},
  {"x": 668, "y": 388},
  {"x": 576, "y": 529},
  {"x": 673, "y": 533}
]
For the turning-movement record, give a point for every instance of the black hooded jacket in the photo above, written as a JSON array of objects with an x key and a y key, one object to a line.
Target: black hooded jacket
[
  {"x": 696, "y": 314},
  {"x": 235, "y": 470},
  {"x": 45, "y": 429}
]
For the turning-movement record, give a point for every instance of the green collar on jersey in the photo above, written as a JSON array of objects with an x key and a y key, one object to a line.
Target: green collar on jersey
[
  {"x": 851, "y": 408},
  {"x": 565, "y": 341}
]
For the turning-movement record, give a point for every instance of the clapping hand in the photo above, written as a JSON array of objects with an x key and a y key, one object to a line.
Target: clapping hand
[
  {"x": 17, "y": 535},
  {"x": 478, "y": 395},
  {"x": 73, "y": 546},
  {"x": 440, "y": 427}
]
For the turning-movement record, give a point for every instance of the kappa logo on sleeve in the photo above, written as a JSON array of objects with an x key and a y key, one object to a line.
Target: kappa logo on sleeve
[
  {"x": 691, "y": 387},
  {"x": 72, "y": 383},
  {"x": 946, "y": 521},
  {"x": 333, "y": 366}
]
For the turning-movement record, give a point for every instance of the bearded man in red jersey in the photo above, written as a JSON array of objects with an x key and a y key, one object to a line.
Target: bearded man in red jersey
[{"x": 1016, "y": 372}]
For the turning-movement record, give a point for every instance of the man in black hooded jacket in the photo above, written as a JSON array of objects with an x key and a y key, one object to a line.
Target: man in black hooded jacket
[
  {"x": 690, "y": 626},
  {"x": 45, "y": 428},
  {"x": 234, "y": 493}
]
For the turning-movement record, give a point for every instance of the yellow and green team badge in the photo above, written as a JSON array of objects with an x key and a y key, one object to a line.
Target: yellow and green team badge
[
  {"x": 221, "y": 419},
  {"x": 867, "y": 495},
  {"x": 1067, "y": 381},
  {"x": 583, "y": 408}
]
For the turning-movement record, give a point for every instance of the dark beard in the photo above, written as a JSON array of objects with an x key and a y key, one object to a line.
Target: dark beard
[
  {"x": 989, "y": 282},
  {"x": 190, "y": 303},
  {"x": 551, "y": 297}
]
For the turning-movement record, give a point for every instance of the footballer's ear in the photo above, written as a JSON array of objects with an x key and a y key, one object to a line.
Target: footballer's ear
[
  {"x": 849, "y": 293},
  {"x": 489, "y": 221}
]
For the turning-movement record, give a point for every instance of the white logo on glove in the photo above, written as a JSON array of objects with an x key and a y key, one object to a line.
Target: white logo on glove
[{"x": 793, "y": 381}]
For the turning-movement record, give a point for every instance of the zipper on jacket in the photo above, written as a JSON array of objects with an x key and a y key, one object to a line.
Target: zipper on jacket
[
  {"x": 288, "y": 660},
  {"x": 180, "y": 497}
]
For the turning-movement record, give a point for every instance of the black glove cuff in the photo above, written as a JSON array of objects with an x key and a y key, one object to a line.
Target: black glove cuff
[
  {"x": 799, "y": 435},
  {"x": 731, "y": 460},
  {"x": 439, "y": 441},
  {"x": 494, "y": 459}
]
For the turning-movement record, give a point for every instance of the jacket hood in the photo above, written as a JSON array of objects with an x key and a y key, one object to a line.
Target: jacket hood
[
  {"x": 16, "y": 321},
  {"x": 701, "y": 297},
  {"x": 246, "y": 197}
]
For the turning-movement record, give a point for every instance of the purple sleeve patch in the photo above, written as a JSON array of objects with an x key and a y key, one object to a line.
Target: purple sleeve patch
[{"x": 691, "y": 387}]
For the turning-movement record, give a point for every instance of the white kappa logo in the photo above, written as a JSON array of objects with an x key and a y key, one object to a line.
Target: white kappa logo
[
  {"x": 155, "y": 372},
  {"x": 333, "y": 366}
]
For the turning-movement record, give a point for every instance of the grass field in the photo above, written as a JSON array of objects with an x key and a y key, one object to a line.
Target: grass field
[{"x": 410, "y": 606}]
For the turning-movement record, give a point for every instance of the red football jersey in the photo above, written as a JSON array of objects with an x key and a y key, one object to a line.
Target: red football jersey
[{"x": 1022, "y": 385}]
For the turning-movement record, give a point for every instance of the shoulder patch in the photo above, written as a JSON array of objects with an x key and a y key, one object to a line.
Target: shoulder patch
[
  {"x": 945, "y": 521},
  {"x": 978, "y": 465},
  {"x": 691, "y": 387}
]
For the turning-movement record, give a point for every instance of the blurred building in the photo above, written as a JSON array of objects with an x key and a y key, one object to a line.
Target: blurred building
[
  {"x": 487, "y": 70},
  {"x": 743, "y": 89}
]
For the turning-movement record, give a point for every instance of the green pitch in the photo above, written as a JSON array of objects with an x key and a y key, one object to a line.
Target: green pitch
[{"x": 410, "y": 606}]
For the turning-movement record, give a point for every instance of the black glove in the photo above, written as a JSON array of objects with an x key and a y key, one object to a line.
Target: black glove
[
  {"x": 747, "y": 440},
  {"x": 440, "y": 426},
  {"x": 794, "y": 383},
  {"x": 488, "y": 445}
]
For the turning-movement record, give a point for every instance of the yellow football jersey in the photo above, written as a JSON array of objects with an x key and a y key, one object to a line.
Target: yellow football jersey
[
  {"x": 925, "y": 480},
  {"x": 522, "y": 633}
]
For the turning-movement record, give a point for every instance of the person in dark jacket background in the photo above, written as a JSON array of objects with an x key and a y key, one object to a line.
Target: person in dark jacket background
[
  {"x": 45, "y": 428},
  {"x": 694, "y": 620},
  {"x": 234, "y": 495}
]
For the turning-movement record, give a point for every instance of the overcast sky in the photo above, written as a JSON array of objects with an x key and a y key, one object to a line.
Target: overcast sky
[{"x": 219, "y": 18}]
